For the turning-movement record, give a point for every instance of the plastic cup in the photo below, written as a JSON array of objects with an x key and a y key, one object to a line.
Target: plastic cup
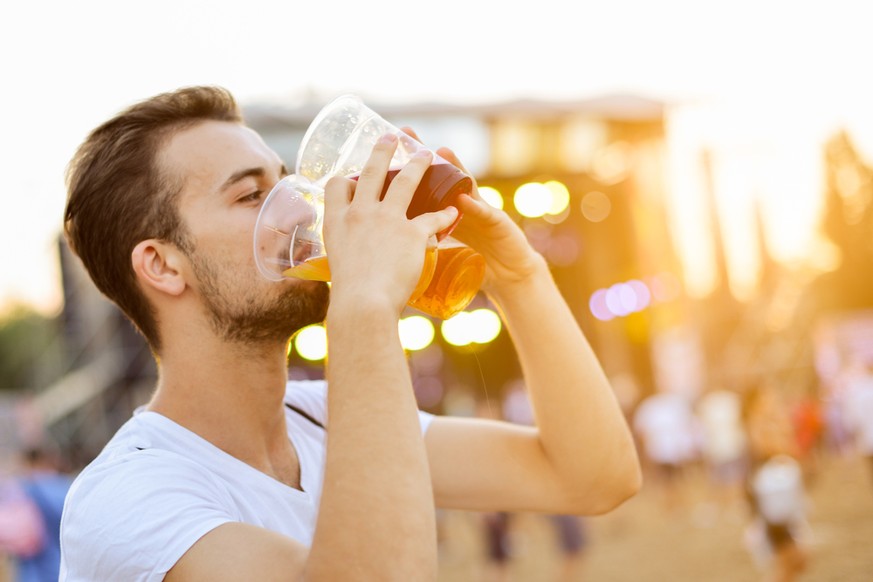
[
  {"x": 289, "y": 241},
  {"x": 341, "y": 138},
  {"x": 288, "y": 234}
]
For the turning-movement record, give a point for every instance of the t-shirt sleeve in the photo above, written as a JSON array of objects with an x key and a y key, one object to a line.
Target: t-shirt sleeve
[
  {"x": 134, "y": 519},
  {"x": 311, "y": 397}
]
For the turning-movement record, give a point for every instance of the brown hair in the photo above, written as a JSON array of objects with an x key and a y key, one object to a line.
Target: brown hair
[{"x": 117, "y": 195}]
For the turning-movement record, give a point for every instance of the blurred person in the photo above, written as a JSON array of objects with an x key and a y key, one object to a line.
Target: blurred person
[
  {"x": 496, "y": 525},
  {"x": 807, "y": 417},
  {"x": 30, "y": 525},
  {"x": 665, "y": 424},
  {"x": 570, "y": 532},
  {"x": 723, "y": 444},
  {"x": 498, "y": 550},
  {"x": 858, "y": 402},
  {"x": 22, "y": 532},
  {"x": 775, "y": 487},
  {"x": 228, "y": 472}
]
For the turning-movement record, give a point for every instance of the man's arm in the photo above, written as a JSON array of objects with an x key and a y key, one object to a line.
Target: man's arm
[{"x": 580, "y": 457}]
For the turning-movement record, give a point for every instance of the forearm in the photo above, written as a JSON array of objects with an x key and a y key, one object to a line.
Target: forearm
[
  {"x": 581, "y": 427},
  {"x": 376, "y": 519}
]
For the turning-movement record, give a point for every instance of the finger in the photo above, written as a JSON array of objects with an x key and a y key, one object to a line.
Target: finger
[
  {"x": 450, "y": 157},
  {"x": 477, "y": 208},
  {"x": 339, "y": 191},
  {"x": 411, "y": 133},
  {"x": 435, "y": 222},
  {"x": 372, "y": 178},
  {"x": 338, "y": 194},
  {"x": 404, "y": 184}
]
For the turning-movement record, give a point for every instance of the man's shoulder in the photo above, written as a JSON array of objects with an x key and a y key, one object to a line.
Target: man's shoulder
[
  {"x": 154, "y": 499},
  {"x": 137, "y": 463}
]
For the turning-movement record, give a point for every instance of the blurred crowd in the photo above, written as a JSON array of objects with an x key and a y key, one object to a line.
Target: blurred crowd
[
  {"x": 760, "y": 450},
  {"x": 31, "y": 502}
]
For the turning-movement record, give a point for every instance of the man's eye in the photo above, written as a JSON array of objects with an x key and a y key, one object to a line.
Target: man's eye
[{"x": 253, "y": 197}]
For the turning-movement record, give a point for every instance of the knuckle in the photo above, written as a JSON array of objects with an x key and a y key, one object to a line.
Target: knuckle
[
  {"x": 406, "y": 180},
  {"x": 337, "y": 184},
  {"x": 370, "y": 172}
]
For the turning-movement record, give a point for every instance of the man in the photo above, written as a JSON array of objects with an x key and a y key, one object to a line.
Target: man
[{"x": 229, "y": 472}]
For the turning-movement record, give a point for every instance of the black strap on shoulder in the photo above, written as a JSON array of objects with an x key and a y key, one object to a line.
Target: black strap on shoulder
[{"x": 305, "y": 415}]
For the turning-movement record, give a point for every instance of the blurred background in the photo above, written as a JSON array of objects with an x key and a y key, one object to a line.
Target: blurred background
[{"x": 698, "y": 175}]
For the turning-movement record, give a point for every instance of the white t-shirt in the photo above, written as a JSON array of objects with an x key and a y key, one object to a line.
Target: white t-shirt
[
  {"x": 156, "y": 488},
  {"x": 778, "y": 489}
]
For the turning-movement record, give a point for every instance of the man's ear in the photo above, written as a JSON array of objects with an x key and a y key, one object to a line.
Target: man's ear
[{"x": 159, "y": 266}]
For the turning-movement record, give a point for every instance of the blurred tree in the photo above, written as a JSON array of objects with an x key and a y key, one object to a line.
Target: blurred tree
[
  {"x": 27, "y": 339},
  {"x": 848, "y": 222}
]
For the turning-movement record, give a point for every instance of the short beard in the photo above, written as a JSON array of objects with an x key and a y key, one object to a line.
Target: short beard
[{"x": 254, "y": 319}]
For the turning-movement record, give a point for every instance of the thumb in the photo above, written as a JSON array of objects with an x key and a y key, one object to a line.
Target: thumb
[{"x": 434, "y": 222}]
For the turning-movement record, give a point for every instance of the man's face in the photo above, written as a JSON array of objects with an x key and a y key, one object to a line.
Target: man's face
[{"x": 226, "y": 171}]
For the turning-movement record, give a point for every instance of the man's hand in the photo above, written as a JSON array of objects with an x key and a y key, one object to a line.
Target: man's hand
[
  {"x": 491, "y": 232},
  {"x": 375, "y": 251},
  {"x": 509, "y": 257}
]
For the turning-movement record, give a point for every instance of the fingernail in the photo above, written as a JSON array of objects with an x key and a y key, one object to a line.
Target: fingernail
[
  {"x": 388, "y": 138},
  {"x": 422, "y": 154}
]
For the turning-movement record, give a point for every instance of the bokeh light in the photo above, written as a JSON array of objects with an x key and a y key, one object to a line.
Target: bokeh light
[
  {"x": 416, "y": 332},
  {"x": 563, "y": 250},
  {"x": 532, "y": 199},
  {"x": 596, "y": 206},
  {"x": 428, "y": 390},
  {"x": 560, "y": 197},
  {"x": 311, "y": 343},
  {"x": 611, "y": 164},
  {"x": 597, "y": 305},
  {"x": 492, "y": 196},
  {"x": 480, "y": 326},
  {"x": 620, "y": 300}
]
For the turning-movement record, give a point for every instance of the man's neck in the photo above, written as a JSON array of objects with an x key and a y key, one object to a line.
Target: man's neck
[{"x": 232, "y": 396}]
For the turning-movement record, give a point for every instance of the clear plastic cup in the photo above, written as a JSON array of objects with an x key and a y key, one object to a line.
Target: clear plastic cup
[
  {"x": 289, "y": 240},
  {"x": 340, "y": 140}
]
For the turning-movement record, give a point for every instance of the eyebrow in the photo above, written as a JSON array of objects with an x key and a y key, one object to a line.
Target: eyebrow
[{"x": 258, "y": 172}]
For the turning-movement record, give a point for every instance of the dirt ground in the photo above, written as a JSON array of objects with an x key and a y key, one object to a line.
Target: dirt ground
[{"x": 643, "y": 541}]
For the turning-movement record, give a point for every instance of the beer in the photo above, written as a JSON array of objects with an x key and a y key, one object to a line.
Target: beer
[
  {"x": 449, "y": 280},
  {"x": 456, "y": 280},
  {"x": 318, "y": 269}
]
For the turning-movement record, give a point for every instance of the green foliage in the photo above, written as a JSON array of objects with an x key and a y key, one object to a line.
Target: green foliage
[{"x": 27, "y": 348}]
